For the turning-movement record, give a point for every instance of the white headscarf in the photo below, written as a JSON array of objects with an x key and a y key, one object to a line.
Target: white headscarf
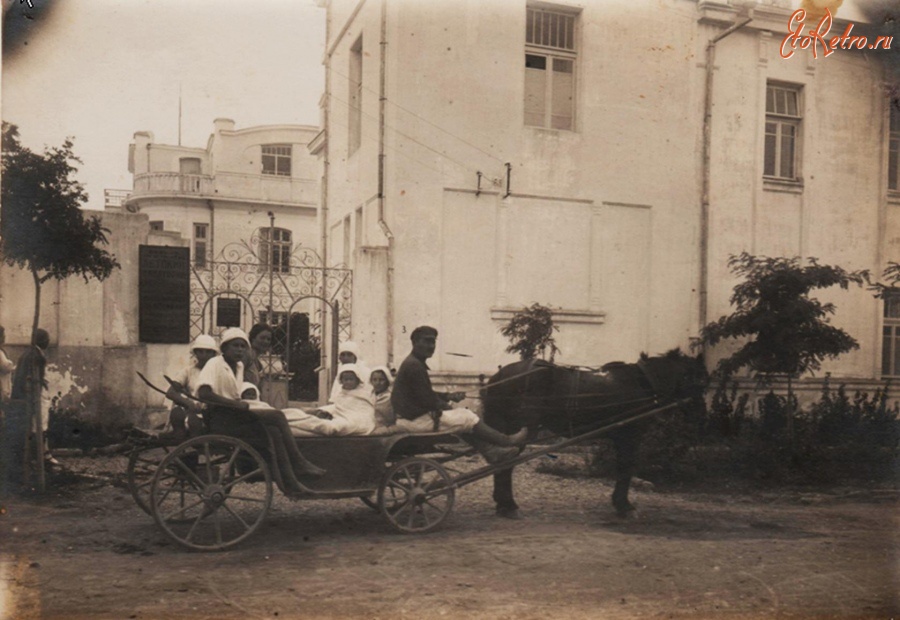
[
  {"x": 384, "y": 370},
  {"x": 233, "y": 333}
]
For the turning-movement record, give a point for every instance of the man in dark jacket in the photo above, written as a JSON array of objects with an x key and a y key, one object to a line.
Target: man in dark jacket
[{"x": 420, "y": 409}]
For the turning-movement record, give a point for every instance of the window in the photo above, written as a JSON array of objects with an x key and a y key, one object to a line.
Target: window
[
  {"x": 890, "y": 344},
  {"x": 189, "y": 165},
  {"x": 359, "y": 230},
  {"x": 201, "y": 234},
  {"x": 550, "y": 55},
  {"x": 782, "y": 132},
  {"x": 894, "y": 147},
  {"x": 157, "y": 226},
  {"x": 347, "y": 248},
  {"x": 354, "y": 123},
  {"x": 276, "y": 159},
  {"x": 275, "y": 252}
]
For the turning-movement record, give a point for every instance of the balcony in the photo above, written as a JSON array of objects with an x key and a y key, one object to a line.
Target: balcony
[{"x": 227, "y": 185}]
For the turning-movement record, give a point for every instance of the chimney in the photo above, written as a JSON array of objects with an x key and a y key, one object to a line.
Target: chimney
[{"x": 223, "y": 124}]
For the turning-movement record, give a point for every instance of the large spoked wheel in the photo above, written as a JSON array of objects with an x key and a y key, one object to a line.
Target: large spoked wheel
[
  {"x": 211, "y": 492},
  {"x": 416, "y": 495},
  {"x": 142, "y": 465}
]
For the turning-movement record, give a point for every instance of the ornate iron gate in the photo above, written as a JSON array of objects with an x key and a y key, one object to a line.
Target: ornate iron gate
[{"x": 263, "y": 282}]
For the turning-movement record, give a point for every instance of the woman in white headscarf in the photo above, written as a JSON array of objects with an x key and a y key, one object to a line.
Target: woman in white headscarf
[
  {"x": 353, "y": 410},
  {"x": 348, "y": 353},
  {"x": 380, "y": 378}
]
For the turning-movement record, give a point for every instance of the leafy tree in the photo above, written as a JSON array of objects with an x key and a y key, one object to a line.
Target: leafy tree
[
  {"x": 785, "y": 331},
  {"x": 530, "y": 332},
  {"x": 42, "y": 226},
  {"x": 891, "y": 275}
]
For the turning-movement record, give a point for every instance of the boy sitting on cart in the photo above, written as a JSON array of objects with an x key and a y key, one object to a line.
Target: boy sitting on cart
[{"x": 220, "y": 384}]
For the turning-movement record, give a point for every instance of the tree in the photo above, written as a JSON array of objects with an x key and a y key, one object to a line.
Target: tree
[
  {"x": 530, "y": 332},
  {"x": 42, "y": 226},
  {"x": 891, "y": 284},
  {"x": 785, "y": 331}
]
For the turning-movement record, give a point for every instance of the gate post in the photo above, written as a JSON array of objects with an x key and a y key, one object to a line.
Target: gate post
[{"x": 335, "y": 331}]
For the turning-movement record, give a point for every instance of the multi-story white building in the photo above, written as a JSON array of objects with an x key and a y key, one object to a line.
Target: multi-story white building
[{"x": 480, "y": 157}]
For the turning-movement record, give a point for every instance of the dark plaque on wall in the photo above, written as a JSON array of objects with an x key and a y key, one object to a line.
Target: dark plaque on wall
[
  {"x": 228, "y": 312},
  {"x": 164, "y": 285}
]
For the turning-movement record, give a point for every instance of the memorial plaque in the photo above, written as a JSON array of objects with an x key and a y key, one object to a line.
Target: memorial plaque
[
  {"x": 164, "y": 294},
  {"x": 228, "y": 312}
]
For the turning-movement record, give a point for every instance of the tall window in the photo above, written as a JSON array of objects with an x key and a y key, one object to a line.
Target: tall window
[
  {"x": 550, "y": 55},
  {"x": 276, "y": 159},
  {"x": 201, "y": 234},
  {"x": 355, "y": 96},
  {"x": 275, "y": 249},
  {"x": 894, "y": 147},
  {"x": 783, "y": 121},
  {"x": 890, "y": 343}
]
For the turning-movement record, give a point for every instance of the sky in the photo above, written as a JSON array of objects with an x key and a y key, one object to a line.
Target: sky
[{"x": 100, "y": 70}]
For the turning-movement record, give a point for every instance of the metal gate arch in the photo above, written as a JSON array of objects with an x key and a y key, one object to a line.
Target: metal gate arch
[{"x": 271, "y": 286}]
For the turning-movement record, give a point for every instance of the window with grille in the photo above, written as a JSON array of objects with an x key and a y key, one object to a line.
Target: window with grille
[
  {"x": 783, "y": 121},
  {"x": 355, "y": 96},
  {"x": 890, "y": 343},
  {"x": 550, "y": 59},
  {"x": 276, "y": 159},
  {"x": 201, "y": 234},
  {"x": 894, "y": 147},
  {"x": 275, "y": 249}
]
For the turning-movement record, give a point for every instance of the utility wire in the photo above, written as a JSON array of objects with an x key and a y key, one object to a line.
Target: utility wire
[
  {"x": 424, "y": 120},
  {"x": 411, "y": 139}
]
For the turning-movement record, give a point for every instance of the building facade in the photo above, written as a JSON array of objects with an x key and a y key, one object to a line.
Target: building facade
[{"x": 594, "y": 157}]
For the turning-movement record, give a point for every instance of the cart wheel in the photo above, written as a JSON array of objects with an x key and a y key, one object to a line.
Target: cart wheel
[
  {"x": 370, "y": 500},
  {"x": 142, "y": 465},
  {"x": 211, "y": 492},
  {"x": 416, "y": 495}
]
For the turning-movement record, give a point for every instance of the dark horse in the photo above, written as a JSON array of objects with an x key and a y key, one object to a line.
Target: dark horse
[{"x": 570, "y": 402}]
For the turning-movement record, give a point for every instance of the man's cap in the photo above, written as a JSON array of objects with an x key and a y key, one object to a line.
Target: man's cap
[{"x": 423, "y": 331}]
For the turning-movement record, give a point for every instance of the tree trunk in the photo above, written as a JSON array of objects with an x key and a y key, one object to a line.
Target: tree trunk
[
  {"x": 789, "y": 414},
  {"x": 37, "y": 304},
  {"x": 35, "y": 421}
]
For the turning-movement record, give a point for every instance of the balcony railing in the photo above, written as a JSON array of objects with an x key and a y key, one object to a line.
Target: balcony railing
[
  {"x": 227, "y": 185},
  {"x": 172, "y": 183}
]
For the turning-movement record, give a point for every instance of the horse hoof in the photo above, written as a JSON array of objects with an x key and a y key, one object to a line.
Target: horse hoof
[
  {"x": 622, "y": 507},
  {"x": 510, "y": 513}
]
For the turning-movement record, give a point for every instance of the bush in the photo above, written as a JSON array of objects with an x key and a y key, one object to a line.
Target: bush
[{"x": 838, "y": 438}]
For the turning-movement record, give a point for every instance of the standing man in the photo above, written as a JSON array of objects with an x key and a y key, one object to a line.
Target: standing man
[
  {"x": 27, "y": 386},
  {"x": 6, "y": 370},
  {"x": 419, "y": 409}
]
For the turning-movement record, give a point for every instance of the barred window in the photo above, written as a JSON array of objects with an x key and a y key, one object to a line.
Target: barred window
[
  {"x": 550, "y": 60},
  {"x": 890, "y": 342},
  {"x": 783, "y": 122},
  {"x": 275, "y": 249},
  {"x": 276, "y": 159},
  {"x": 201, "y": 234}
]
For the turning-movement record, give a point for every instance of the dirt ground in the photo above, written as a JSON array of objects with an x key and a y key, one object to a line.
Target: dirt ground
[{"x": 86, "y": 550}]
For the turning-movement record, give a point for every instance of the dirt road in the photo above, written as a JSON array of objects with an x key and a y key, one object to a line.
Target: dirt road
[{"x": 89, "y": 552}]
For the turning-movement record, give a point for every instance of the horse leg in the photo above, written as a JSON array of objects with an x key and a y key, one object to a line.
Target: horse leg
[
  {"x": 503, "y": 495},
  {"x": 626, "y": 442}
]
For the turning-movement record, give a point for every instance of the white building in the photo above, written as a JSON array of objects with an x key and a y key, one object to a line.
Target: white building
[{"x": 480, "y": 157}]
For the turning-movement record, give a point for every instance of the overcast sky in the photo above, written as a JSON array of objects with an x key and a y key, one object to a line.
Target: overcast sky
[{"x": 100, "y": 70}]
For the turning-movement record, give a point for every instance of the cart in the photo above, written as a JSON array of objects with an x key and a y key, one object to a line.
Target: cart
[{"x": 213, "y": 491}]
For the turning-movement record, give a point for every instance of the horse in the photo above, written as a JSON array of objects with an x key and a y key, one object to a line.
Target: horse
[{"x": 571, "y": 401}]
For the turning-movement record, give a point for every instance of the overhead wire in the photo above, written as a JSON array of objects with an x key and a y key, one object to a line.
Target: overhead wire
[
  {"x": 424, "y": 120},
  {"x": 461, "y": 164}
]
